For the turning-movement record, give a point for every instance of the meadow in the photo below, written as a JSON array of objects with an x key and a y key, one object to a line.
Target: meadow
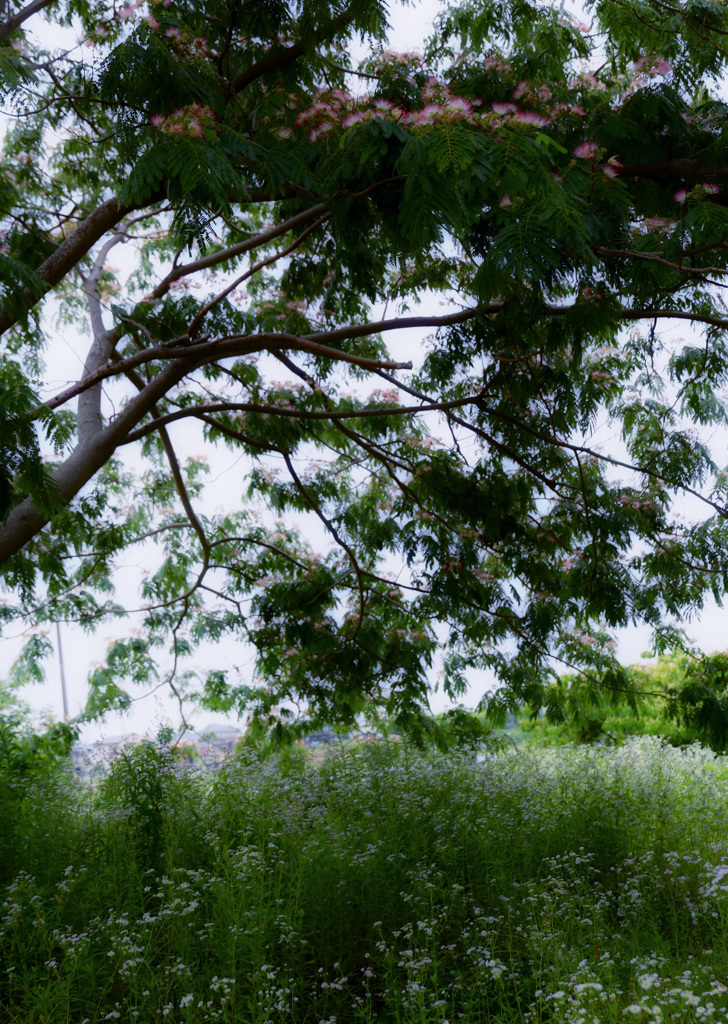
[{"x": 571, "y": 884}]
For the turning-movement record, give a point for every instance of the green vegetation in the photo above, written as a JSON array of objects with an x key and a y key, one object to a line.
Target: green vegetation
[
  {"x": 567, "y": 885},
  {"x": 678, "y": 698}
]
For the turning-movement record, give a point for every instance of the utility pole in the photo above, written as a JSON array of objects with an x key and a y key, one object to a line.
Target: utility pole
[{"x": 63, "y": 672}]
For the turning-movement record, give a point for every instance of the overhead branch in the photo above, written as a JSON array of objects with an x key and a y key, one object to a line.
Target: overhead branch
[
  {"x": 89, "y": 403},
  {"x": 318, "y": 344},
  {"x": 215, "y": 258},
  {"x": 296, "y": 414},
  {"x": 184, "y": 497},
  {"x": 679, "y": 167},
  {"x": 72, "y": 249},
  {"x": 281, "y": 254},
  {"x": 25, "y": 521},
  {"x": 79, "y": 243},
  {"x": 283, "y": 58},
  {"x": 580, "y": 449},
  {"x": 228, "y": 347},
  {"x": 16, "y": 20}
]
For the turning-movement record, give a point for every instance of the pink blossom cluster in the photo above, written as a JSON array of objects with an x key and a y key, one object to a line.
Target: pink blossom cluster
[
  {"x": 659, "y": 223},
  {"x": 612, "y": 167},
  {"x": 587, "y": 151},
  {"x": 191, "y": 120},
  {"x": 335, "y": 107},
  {"x": 527, "y": 90},
  {"x": 706, "y": 188},
  {"x": 588, "y": 82},
  {"x": 388, "y": 395},
  {"x": 575, "y": 109},
  {"x": 592, "y": 151},
  {"x": 652, "y": 66},
  {"x": 631, "y": 501},
  {"x": 397, "y": 59},
  {"x": 492, "y": 63},
  {"x": 128, "y": 13},
  {"x": 515, "y": 116}
]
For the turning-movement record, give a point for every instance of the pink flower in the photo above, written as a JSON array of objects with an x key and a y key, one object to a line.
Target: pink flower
[
  {"x": 427, "y": 114},
  {"x": 157, "y": 119},
  {"x": 196, "y": 129},
  {"x": 173, "y": 32},
  {"x": 614, "y": 162},
  {"x": 152, "y": 21},
  {"x": 587, "y": 80},
  {"x": 681, "y": 195},
  {"x": 544, "y": 93},
  {"x": 653, "y": 66},
  {"x": 531, "y": 117},
  {"x": 125, "y": 13},
  {"x": 655, "y": 223},
  {"x": 356, "y": 117},
  {"x": 505, "y": 201},
  {"x": 504, "y": 108},
  {"x": 459, "y": 106},
  {"x": 521, "y": 89},
  {"x": 495, "y": 64},
  {"x": 713, "y": 190},
  {"x": 587, "y": 150},
  {"x": 609, "y": 172}
]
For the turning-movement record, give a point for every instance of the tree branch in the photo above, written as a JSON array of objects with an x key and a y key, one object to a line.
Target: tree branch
[
  {"x": 89, "y": 403},
  {"x": 17, "y": 19},
  {"x": 272, "y": 410},
  {"x": 281, "y": 59},
  {"x": 234, "y": 250}
]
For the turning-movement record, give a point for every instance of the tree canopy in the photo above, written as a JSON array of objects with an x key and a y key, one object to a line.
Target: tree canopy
[{"x": 278, "y": 211}]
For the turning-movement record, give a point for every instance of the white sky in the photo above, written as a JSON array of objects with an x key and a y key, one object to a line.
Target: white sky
[{"x": 409, "y": 27}]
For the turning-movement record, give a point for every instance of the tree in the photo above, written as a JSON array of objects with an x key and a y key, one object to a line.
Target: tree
[
  {"x": 559, "y": 184},
  {"x": 676, "y": 697}
]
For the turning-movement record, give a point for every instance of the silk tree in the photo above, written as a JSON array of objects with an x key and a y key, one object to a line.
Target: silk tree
[{"x": 559, "y": 185}]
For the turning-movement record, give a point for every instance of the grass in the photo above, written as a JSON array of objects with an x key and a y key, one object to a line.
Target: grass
[{"x": 568, "y": 885}]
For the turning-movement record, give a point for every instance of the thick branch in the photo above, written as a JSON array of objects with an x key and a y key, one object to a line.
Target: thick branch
[
  {"x": 25, "y": 521},
  {"x": 72, "y": 250},
  {"x": 17, "y": 19},
  {"x": 228, "y": 347},
  {"x": 89, "y": 420},
  {"x": 87, "y": 234},
  {"x": 318, "y": 344}
]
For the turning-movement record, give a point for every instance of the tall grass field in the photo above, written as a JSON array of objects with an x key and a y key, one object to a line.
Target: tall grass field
[{"x": 570, "y": 884}]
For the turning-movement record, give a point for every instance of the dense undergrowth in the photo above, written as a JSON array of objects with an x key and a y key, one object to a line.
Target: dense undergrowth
[{"x": 572, "y": 884}]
